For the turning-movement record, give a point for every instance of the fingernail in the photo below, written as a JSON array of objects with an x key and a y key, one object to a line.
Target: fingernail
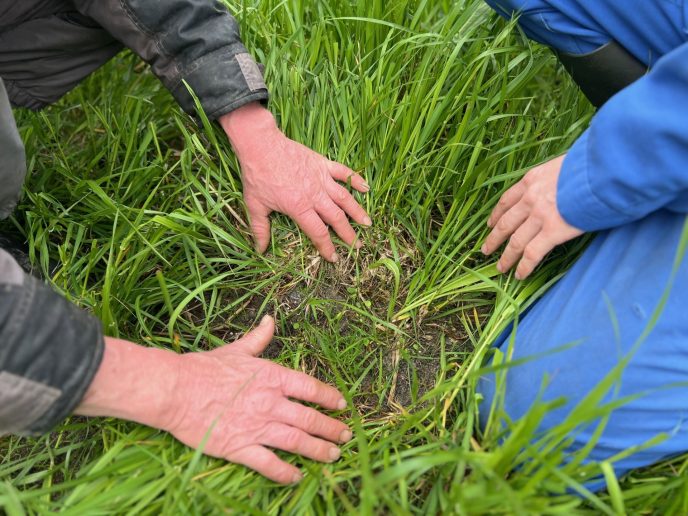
[
  {"x": 358, "y": 244},
  {"x": 518, "y": 276},
  {"x": 500, "y": 268},
  {"x": 335, "y": 453},
  {"x": 366, "y": 187},
  {"x": 483, "y": 249},
  {"x": 334, "y": 258},
  {"x": 345, "y": 436},
  {"x": 265, "y": 320},
  {"x": 298, "y": 477},
  {"x": 342, "y": 404},
  {"x": 367, "y": 221}
]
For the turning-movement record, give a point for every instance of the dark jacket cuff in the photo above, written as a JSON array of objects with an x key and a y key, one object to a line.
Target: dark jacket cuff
[
  {"x": 50, "y": 350},
  {"x": 223, "y": 82}
]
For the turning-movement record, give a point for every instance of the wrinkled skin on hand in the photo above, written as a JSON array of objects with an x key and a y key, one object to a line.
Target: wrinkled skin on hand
[
  {"x": 527, "y": 215},
  {"x": 282, "y": 175},
  {"x": 244, "y": 402}
]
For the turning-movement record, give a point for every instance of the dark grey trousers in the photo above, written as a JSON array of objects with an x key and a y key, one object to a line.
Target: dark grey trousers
[
  {"x": 12, "y": 160},
  {"x": 46, "y": 49}
]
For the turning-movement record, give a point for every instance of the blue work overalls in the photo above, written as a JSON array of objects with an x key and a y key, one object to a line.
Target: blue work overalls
[{"x": 626, "y": 177}]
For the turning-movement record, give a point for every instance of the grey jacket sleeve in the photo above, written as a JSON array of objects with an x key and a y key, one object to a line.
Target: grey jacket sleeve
[
  {"x": 49, "y": 353},
  {"x": 192, "y": 41}
]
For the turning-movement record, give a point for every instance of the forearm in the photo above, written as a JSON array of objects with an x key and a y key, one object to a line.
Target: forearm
[{"x": 132, "y": 383}]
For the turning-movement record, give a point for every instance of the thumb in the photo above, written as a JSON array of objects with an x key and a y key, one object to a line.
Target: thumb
[
  {"x": 255, "y": 341},
  {"x": 260, "y": 225}
]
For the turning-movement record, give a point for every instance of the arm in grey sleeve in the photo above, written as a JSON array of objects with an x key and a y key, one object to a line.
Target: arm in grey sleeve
[
  {"x": 49, "y": 353},
  {"x": 196, "y": 41}
]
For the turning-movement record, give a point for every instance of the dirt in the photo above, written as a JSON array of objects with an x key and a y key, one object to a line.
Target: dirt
[{"x": 408, "y": 360}]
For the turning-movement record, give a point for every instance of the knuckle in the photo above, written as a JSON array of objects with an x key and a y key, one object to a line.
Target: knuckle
[
  {"x": 340, "y": 194},
  {"x": 516, "y": 244},
  {"x": 530, "y": 198},
  {"x": 310, "y": 389},
  {"x": 291, "y": 438},
  {"x": 530, "y": 254},
  {"x": 262, "y": 405},
  {"x": 503, "y": 225},
  {"x": 311, "y": 420},
  {"x": 523, "y": 270},
  {"x": 321, "y": 233},
  {"x": 339, "y": 217},
  {"x": 345, "y": 171}
]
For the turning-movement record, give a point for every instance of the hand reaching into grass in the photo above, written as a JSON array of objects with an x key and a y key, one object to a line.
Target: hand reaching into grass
[
  {"x": 528, "y": 216},
  {"x": 242, "y": 402},
  {"x": 282, "y": 175}
]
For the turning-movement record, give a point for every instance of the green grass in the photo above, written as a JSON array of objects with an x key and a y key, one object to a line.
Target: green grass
[{"x": 442, "y": 107}]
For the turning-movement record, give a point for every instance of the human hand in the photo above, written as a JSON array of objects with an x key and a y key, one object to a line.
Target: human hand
[
  {"x": 528, "y": 216},
  {"x": 243, "y": 401},
  {"x": 239, "y": 402},
  {"x": 282, "y": 175}
]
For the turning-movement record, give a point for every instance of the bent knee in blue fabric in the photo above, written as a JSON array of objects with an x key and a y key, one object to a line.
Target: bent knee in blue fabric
[
  {"x": 648, "y": 29},
  {"x": 607, "y": 308},
  {"x": 564, "y": 28}
]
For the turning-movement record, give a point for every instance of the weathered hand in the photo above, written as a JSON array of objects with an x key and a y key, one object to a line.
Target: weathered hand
[
  {"x": 282, "y": 175},
  {"x": 528, "y": 216},
  {"x": 239, "y": 402},
  {"x": 243, "y": 401}
]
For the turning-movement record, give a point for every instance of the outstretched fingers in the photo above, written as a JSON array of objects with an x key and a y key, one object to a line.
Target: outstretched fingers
[
  {"x": 259, "y": 218},
  {"x": 344, "y": 174},
  {"x": 506, "y": 202},
  {"x": 255, "y": 341},
  {"x": 311, "y": 421},
  {"x": 343, "y": 198},
  {"x": 518, "y": 243},
  {"x": 294, "y": 440},
  {"x": 303, "y": 387},
  {"x": 337, "y": 220},
  {"x": 504, "y": 227},
  {"x": 266, "y": 463},
  {"x": 533, "y": 254},
  {"x": 315, "y": 229}
]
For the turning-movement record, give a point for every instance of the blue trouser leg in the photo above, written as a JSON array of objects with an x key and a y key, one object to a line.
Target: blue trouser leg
[
  {"x": 614, "y": 287},
  {"x": 606, "y": 301}
]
